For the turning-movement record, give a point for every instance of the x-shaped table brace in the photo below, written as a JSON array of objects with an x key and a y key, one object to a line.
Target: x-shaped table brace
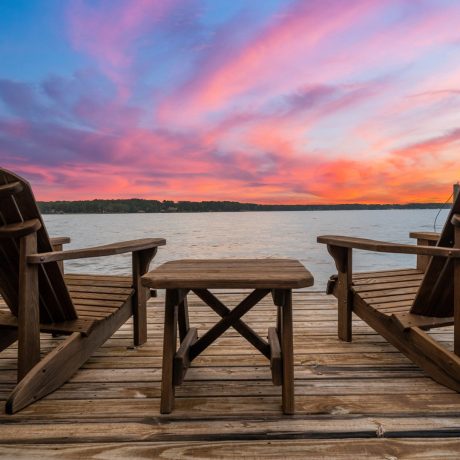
[{"x": 278, "y": 349}]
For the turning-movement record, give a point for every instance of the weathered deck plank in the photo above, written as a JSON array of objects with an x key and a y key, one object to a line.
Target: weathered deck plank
[
  {"x": 364, "y": 390},
  {"x": 313, "y": 449}
]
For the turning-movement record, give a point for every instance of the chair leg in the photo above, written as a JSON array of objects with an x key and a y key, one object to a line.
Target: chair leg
[
  {"x": 28, "y": 308},
  {"x": 62, "y": 362},
  {"x": 183, "y": 318},
  {"x": 344, "y": 262},
  {"x": 287, "y": 350},
  {"x": 456, "y": 274},
  {"x": 140, "y": 264},
  {"x": 169, "y": 350},
  {"x": 344, "y": 304},
  {"x": 140, "y": 316}
]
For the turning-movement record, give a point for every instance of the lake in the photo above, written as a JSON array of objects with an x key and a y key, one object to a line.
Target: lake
[{"x": 245, "y": 235}]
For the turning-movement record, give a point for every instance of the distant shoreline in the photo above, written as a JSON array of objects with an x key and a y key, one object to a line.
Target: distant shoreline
[{"x": 138, "y": 206}]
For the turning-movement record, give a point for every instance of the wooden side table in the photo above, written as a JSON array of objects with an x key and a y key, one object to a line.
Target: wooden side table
[{"x": 264, "y": 276}]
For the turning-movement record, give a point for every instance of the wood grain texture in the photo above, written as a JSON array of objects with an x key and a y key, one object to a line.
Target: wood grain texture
[
  {"x": 273, "y": 448},
  {"x": 435, "y": 296},
  {"x": 19, "y": 229},
  {"x": 59, "y": 240},
  {"x": 97, "y": 251},
  {"x": 55, "y": 302},
  {"x": 28, "y": 309},
  {"x": 39, "y": 300},
  {"x": 9, "y": 189},
  {"x": 229, "y": 273},
  {"x": 456, "y": 283},
  {"x": 390, "y": 315},
  {"x": 407, "y": 320},
  {"x": 276, "y": 363},
  {"x": 140, "y": 264},
  {"x": 63, "y": 361},
  {"x": 427, "y": 236},
  {"x": 343, "y": 259},
  {"x": 182, "y": 357},
  {"x": 287, "y": 351},
  {"x": 169, "y": 350},
  {"x": 382, "y": 246},
  {"x": 175, "y": 364},
  {"x": 78, "y": 325},
  {"x": 246, "y": 331},
  {"x": 385, "y": 303},
  {"x": 353, "y": 400},
  {"x": 227, "y": 321},
  {"x": 424, "y": 239}
]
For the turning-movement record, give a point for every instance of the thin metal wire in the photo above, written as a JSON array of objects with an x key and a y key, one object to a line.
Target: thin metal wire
[{"x": 440, "y": 209}]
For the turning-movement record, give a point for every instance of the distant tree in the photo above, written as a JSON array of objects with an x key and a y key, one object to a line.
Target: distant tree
[{"x": 136, "y": 205}]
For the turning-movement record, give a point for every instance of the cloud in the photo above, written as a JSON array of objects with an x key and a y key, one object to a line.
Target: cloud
[
  {"x": 107, "y": 30},
  {"x": 19, "y": 98},
  {"x": 112, "y": 31},
  {"x": 305, "y": 102},
  {"x": 270, "y": 60}
]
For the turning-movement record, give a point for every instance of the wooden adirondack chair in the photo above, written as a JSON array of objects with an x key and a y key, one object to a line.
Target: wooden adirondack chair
[
  {"x": 401, "y": 305},
  {"x": 86, "y": 308}
]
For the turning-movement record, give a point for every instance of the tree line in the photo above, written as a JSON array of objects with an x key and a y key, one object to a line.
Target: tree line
[{"x": 135, "y": 205}]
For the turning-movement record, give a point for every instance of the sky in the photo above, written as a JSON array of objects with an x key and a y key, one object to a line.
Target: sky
[{"x": 267, "y": 101}]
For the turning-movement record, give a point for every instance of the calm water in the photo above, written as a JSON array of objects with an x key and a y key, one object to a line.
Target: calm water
[{"x": 244, "y": 235}]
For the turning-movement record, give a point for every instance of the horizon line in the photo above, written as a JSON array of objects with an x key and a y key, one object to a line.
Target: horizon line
[{"x": 411, "y": 203}]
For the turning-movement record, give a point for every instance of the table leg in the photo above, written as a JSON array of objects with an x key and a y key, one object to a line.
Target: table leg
[
  {"x": 184, "y": 324},
  {"x": 287, "y": 350},
  {"x": 278, "y": 300},
  {"x": 169, "y": 350},
  {"x": 278, "y": 319}
]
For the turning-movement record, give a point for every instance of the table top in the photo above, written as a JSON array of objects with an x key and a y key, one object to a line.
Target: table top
[{"x": 229, "y": 273}]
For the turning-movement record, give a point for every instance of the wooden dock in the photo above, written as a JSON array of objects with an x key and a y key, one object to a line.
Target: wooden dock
[{"x": 354, "y": 400}]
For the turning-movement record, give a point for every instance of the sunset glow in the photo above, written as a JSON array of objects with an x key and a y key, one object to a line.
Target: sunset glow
[{"x": 274, "y": 101}]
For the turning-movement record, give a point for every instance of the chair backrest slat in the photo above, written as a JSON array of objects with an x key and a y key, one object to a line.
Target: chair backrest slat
[
  {"x": 435, "y": 296},
  {"x": 19, "y": 206},
  {"x": 10, "y": 189}
]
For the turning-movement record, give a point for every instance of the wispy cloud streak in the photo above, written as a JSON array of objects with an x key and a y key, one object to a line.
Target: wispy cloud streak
[{"x": 277, "y": 102}]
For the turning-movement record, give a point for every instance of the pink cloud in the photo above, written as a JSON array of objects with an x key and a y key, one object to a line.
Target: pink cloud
[
  {"x": 292, "y": 38},
  {"x": 318, "y": 105},
  {"x": 303, "y": 45},
  {"x": 415, "y": 173}
]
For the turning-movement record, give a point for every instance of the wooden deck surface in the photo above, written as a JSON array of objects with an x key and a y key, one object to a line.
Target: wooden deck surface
[{"x": 354, "y": 400}]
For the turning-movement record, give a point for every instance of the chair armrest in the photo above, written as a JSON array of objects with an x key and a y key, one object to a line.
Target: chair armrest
[
  {"x": 20, "y": 229},
  {"x": 455, "y": 221},
  {"x": 98, "y": 251},
  {"x": 382, "y": 246},
  {"x": 59, "y": 240},
  {"x": 425, "y": 236}
]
